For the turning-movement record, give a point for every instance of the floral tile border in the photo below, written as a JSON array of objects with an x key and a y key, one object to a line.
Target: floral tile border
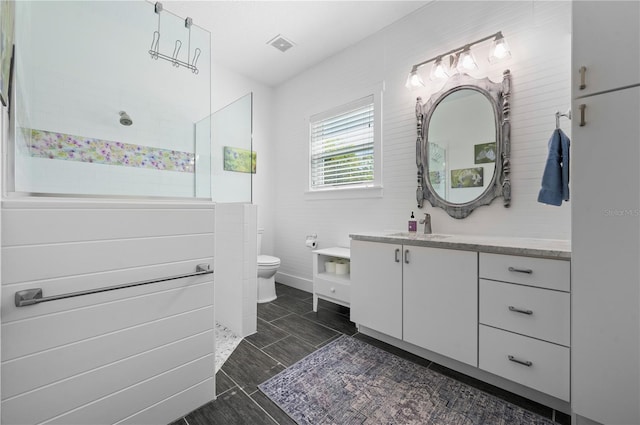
[{"x": 52, "y": 145}]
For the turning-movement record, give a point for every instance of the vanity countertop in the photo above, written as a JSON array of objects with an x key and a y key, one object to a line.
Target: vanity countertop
[{"x": 530, "y": 247}]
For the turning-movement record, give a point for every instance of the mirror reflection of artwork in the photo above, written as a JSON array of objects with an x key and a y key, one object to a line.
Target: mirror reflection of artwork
[
  {"x": 437, "y": 168},
  {"x": 467, "y": 177},
  {"x": 436, "y": 177},
  {"x": 484, "y": 153}
]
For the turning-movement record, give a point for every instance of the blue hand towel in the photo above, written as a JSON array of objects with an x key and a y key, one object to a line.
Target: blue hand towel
[{"x": 555, "y": 180}]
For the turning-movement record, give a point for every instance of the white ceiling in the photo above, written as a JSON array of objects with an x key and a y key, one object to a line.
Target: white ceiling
[{"x": 240, "y": 31}]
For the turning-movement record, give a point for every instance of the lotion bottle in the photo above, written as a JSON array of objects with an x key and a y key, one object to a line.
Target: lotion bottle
[{"x": 413, "y": 224}]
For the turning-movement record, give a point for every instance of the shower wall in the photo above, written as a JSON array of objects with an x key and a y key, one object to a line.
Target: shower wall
[{"x": 78, "y": 65}]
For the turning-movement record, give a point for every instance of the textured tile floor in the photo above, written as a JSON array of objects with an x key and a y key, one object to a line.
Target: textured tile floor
[
  {"x": 288, "y": 330},
  {"x": 226, "y": 343}
]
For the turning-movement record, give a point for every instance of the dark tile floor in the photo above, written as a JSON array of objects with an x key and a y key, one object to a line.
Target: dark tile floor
[{"x": 288, "y": 330}]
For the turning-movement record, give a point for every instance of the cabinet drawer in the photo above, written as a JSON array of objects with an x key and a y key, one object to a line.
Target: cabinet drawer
[
  {"x": 548, "y": 371},
  {"x": 552, "y": 274},
  {"x": 535, "y": 312},
  {"x": 336, "y": 290}
]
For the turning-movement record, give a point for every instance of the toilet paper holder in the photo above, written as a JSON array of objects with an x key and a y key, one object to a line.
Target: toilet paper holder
[{"x": 310, "y": 241}]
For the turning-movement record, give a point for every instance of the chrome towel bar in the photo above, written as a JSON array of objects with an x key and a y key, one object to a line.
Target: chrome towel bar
[{"x": 34, "y": 296}]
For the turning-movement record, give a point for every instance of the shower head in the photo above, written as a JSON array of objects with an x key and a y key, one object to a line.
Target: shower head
[{"x": 125, "y": 119}]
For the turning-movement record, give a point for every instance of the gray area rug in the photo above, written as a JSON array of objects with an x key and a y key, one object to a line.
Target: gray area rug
[{"x": 351, "y": 382}]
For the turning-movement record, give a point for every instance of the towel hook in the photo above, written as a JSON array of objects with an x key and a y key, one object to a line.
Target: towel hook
[{"x": 558, "y": 115}]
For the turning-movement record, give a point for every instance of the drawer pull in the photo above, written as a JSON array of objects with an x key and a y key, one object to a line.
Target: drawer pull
[
  {"x": 519, "y": 310},
  {"x": 397, "y": 252},
  {"x": 526, "y": 363},
  {"x": 515, "y": 270},
  {"x": 583, "y": 75},
  {"x": 333, "y": 289},
  {"x": 406, "y": 256}
]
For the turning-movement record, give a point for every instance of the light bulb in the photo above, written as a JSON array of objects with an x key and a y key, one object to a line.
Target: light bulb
[
  {"x": 414, "y": 80},
  {"x": 466, "y": 62},
  {"x": 499, "y": 49},
  {"x": 438, "y": 71}
]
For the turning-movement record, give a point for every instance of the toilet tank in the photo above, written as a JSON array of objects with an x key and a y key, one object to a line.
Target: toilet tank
[{"x": 260, "y": 232}]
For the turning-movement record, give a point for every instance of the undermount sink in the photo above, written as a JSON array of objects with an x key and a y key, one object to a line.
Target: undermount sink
[{"x": 415, "y": 235}]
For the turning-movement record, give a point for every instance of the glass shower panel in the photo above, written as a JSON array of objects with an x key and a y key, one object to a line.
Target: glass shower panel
[
  {"x": 233, "y": 160},
  {"x": 80, "y": 66},
  {"x": 203, "y": 158}
]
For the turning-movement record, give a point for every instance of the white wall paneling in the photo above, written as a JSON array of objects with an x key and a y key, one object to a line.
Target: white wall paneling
[
  {"x": 541, "y": 85},
  {"x": 143, "y": 354}
]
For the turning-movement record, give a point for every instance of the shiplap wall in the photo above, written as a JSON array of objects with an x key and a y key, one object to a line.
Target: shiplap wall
[
  {"x": 539, "y": 36},
  {"x": 137, "y": 355}
]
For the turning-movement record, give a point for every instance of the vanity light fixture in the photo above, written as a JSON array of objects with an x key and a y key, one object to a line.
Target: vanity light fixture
[{"x": 460, "y": 58}]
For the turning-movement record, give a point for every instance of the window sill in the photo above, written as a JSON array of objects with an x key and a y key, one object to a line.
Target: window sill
[{"x": 344, "y": 193}]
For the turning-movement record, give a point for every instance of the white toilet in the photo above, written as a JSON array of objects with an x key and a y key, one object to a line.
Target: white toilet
[{"x": 267, "y": 268}]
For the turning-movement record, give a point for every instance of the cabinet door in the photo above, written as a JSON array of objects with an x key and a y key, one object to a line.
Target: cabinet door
[
  {"x": 441, "y": 301},
  {"x": 604, "y": 260},
  {"x": 606, "y": 40},
  {"x": 376, "y": 286}
]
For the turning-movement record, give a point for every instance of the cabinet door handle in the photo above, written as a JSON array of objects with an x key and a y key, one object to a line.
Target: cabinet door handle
[
  {"x": 583, "y": 122},
  {"x": 406, "y": 256},
  {"x": 583, "y": 75},
  {"x": 516, "y": 270},
  {"x": 520, "y": 310},
  {"x": 526, "y": 363},
  {"x": 397, "y": 252}
]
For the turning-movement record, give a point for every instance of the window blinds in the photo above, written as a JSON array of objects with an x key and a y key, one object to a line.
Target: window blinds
[{"x": 342, "y": 146}]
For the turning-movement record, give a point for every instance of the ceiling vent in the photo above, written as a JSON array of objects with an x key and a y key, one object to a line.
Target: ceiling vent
[{"x": 280, "y": 43}]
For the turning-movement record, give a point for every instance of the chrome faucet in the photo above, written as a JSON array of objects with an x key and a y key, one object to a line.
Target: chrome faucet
[{"x": 427, "y": 223}]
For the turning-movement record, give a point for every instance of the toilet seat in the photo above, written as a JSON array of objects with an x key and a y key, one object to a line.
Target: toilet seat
[{"x": 267, "y": 260}]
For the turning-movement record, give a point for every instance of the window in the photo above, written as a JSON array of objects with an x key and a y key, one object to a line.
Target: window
[{"x": 343, "y": 147}]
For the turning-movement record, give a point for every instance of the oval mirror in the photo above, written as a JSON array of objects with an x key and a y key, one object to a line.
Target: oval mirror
[{"x": 462, "y": 151}]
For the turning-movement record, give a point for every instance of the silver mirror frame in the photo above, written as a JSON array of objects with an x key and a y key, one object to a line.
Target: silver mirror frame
[{"x": 500, "y": 185}]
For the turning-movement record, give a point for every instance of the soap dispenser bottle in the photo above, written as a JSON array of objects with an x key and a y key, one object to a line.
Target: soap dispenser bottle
[{"x": 413, "y": 224}]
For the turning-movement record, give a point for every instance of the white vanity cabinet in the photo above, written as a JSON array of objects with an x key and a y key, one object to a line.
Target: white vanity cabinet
[
  {"x": 425, "y": 296},
  {"x": 440, "y": 301},
  {"x": 497, "y": 309},
  {"x": 376, "y": 286},
  {"x": 524, "y": 330},
  {"x": 605, "y": 214}
]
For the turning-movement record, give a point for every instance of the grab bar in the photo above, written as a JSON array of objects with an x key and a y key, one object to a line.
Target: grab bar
[{"x": 34, "y": 296}]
